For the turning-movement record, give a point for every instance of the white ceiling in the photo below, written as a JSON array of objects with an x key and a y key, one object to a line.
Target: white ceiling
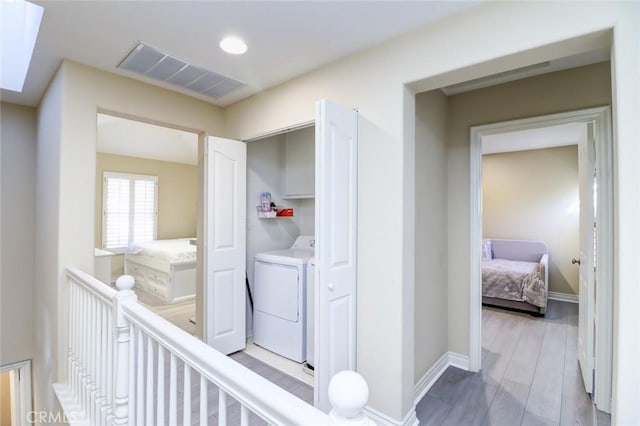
[
  {"x": 539, "y": 138},
  {"x": 286, "y": 39},
  {"x": 136, "y": 139}
]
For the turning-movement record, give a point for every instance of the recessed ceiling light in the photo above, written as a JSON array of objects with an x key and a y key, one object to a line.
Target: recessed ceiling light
[{"x": 233, "y": 45}]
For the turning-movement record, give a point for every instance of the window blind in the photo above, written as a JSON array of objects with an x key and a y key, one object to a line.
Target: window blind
[{"x": 129, "y": 209}]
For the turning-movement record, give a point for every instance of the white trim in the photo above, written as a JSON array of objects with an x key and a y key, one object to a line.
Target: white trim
[
  {"x": 71, "y": 409},
  {"x": 430, "y": 377},
  {"x": 22, "y": 396},
  {"x": 562, "y": 297},
  {"x": 604, "y": 149},
  {"x": 281, "y": 131},
  {"x": 604, "y": 261},
  {"x": 382, "y": 419},
  {"x": 449, "y": 359},
  {"x": 475, "y": 240},
  {"x": 459, "y": 361}
]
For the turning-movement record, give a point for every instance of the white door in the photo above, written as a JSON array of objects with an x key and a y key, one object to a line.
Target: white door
[
  {"x": 586, "y": 169},
  {"x": 336, "y": 237},
  {"x": 224, "y": 245}
]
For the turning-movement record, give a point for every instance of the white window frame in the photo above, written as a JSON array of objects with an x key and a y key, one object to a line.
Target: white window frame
[{"x": 132, "y": 178}]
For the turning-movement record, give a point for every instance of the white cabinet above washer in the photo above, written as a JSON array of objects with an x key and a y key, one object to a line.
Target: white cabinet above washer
[{"x": 299, "y": 164}]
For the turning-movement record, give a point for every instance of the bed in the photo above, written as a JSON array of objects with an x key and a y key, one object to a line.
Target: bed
[
  {"x": 165, "y": 268},
  {"x": 515, "y": 274}
]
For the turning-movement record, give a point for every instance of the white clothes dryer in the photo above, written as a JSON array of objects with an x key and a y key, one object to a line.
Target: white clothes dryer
[{"x": 279, "y": 322}]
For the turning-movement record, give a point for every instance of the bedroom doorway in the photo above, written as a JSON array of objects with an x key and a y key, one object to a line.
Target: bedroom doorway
[
  {"x": 146, "y": 210},
  {"x": 594, "y": 351}
]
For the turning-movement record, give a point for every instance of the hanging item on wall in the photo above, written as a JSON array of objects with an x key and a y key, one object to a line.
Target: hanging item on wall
[
  {"x": 284, "y": 212},
  {"x": 265, "y": 201}
]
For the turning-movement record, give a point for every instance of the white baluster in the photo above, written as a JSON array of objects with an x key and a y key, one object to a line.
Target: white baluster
[
  {"x": 99, "y": 331},
  {"x": 92, "y": 359},
  {"x": 72, "y": 336},
  {"x": 132, "y": 373},
  {"x": 203, "y": 401},
  {"x": 160, "y": 398},
  {"x": 150, "y": 375},
  {"x": 121, "y": 389},
  {"x": 222, "y": 408},
  {"x": 140, "y": 380},
  {"x": 173, "y": 391},
  {"x": 244, "y": 416},
  {"x": 348, "y": 395},
  {"x": 83, "y": 357},
  {"x": 186, "y": 406}
]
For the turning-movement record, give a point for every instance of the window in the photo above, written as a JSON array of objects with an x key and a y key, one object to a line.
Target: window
[{"x": 129, "y": 209}]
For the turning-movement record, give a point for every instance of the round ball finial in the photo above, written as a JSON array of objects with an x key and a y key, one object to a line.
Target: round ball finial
[
  {"x": 348, "y": 393},
  {"x": 125, "y": 282}
]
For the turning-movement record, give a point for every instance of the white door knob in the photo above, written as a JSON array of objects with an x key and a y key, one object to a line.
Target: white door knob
[{"x": 330, "y": 286}]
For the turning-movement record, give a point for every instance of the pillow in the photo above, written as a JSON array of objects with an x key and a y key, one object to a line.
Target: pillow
[{"x": 486, "y": 250}]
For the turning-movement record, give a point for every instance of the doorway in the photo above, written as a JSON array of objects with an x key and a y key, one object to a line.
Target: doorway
[
  {"x": 15, "y": 394},
  {"x": 281, "y": 167},
  {"x": 145, "y": 214},
  {"x": 596, "y": 300}
]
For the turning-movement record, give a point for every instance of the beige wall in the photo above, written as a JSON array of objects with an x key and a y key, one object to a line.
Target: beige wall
[
  {"x": 534, "y": 195},
  {"x": 431, "y": 231},
  {"x": 66, "y": 188},
  {"x": 177, "y": 196},
  {"x": 5, "y": 398},
  {"x": 375, "y": 81},
  {"x": 48, "y": 322},
  {"x": 177, "y": 185},
  {"x": 17, "y": 227}
]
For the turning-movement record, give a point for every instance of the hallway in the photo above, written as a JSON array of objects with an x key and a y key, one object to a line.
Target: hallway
[{"x": 529, "y": 376}]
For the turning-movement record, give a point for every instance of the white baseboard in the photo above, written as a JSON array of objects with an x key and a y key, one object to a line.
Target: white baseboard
[
  {"x": 421, "y": 388},
  {"x": 381, "y": 419},
  {"x": 459, "y": 361},
  {"x": 563, "y": 297},
  {"x": 430, "y": 377},
  {"x": 449, "y": 359}
]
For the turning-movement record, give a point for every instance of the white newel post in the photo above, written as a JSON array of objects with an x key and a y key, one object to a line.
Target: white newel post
[
  {"x": 121, "y": 354},
  {"x": 348, "y": 395}
]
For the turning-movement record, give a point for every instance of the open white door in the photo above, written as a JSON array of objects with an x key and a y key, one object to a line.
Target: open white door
[
  {"x": 336, "y": 238},
  {"x": 586, "y": 170},
  {"x": 224, "y": 245}
]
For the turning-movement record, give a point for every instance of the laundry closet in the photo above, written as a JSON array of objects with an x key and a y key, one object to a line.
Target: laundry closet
[{"x": 280, "y": 250}]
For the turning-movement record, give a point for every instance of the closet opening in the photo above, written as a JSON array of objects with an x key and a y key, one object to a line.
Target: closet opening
[{"x": 280, "y": 255}]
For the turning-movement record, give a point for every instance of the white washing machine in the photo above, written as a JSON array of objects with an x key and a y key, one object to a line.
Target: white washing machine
[{"x": 279, "y": 297}]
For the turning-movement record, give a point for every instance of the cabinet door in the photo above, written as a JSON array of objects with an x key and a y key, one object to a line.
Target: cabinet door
[{"x": 299, "y": 164}]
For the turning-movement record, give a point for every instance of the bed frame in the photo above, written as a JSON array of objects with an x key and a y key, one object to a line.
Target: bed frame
[
  {"x": 525, "y": 251},
  {"x": 171, "y": 282}
]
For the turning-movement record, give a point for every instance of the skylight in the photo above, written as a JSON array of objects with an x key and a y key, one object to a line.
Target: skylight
[{"x": 18, "y": 32}]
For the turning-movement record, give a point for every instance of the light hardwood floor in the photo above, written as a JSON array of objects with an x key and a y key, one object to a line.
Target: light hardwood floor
[{"x": 529, "y": 376}]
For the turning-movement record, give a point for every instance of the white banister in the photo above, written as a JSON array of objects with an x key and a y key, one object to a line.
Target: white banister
[
  {"x": 348, "y": 395},
  {"x": 123, "y": 342},
  {"x": 119, "y": 353}
]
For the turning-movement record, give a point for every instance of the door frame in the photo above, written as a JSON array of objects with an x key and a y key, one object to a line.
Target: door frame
[
  {"x": 21, "y": 395},
  {"x": 601, "y": 116}
]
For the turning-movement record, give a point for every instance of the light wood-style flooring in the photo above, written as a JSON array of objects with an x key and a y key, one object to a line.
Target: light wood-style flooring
[{"x": 529, "y": 376}]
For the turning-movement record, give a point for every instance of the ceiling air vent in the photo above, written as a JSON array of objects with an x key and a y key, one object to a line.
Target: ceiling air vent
[{"x": 155, "y": 64}]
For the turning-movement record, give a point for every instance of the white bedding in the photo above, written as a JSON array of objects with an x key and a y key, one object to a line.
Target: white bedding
[
  {"x": 504, "y": 279},
  {"x": 170, "y": 251}
]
